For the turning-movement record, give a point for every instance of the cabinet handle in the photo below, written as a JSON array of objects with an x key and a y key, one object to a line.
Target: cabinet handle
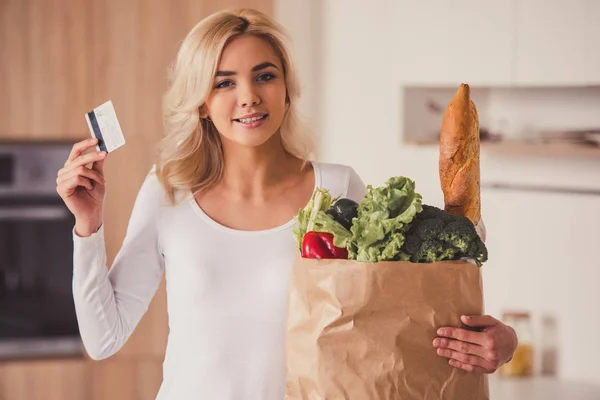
[{"x": 48, "y": 213}]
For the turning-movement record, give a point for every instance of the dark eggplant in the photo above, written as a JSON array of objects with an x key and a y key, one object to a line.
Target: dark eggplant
[
  {"x": 343, "y": 212},
  {"x": 333, "y": 213}
]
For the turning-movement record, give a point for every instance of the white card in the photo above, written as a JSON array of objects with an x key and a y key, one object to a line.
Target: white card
[{"x": 104, "y": 126}]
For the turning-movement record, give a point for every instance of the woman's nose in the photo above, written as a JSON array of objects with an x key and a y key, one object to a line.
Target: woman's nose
[{"x": 248, "y": 97}]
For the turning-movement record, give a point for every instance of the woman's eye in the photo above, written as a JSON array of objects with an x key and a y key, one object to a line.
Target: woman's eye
[
  {"x": 265, "y": 77},
  {"x": 223, "y": 84}
]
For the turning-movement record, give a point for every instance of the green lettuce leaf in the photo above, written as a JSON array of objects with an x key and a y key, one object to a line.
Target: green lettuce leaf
[
  {"x": 313, "y": 218},
  {"x": 326, "y": 223},
  {"x": 384, "y": 216}
]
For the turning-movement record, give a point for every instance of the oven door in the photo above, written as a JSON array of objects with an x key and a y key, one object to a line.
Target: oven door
[{"x": 37, "y": 313}]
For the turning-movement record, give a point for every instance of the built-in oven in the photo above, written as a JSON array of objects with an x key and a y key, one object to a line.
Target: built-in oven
[{"x": 37, "y": 314}]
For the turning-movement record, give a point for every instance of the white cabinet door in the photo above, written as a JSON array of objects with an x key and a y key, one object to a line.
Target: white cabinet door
[
  {"x": 448, "y": 42},
  {"x": 592, "y": 41},
  {"x": 543, "y": 258},
  {"x": 551, "y": 43}
]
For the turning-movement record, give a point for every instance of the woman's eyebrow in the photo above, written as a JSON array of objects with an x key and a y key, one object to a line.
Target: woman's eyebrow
[{"x": 254, "y": 69}]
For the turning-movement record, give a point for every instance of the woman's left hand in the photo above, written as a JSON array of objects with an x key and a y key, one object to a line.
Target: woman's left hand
[{"x": 480, "y": 352}]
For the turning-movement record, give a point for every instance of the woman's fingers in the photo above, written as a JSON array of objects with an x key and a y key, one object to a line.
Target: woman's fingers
[
  {"x": 99, "y": 165},
  {"x": 462, "y": 357},
  {"x": 75, "y": 173},
  {"x": 81, "y": 171},
  {"x": 462, "y": 347},
  {"x": 469, "y": 367},
  {"x": 465, "y": 359},
  {"x": 463, "y": 335},
  {"x": 79, "y": 148},
  {"x": 83, "y": 160},
  {"x": 68, "y": 186}
]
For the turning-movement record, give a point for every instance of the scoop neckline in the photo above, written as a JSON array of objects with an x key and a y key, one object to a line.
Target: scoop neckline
[{"x": 196, "y": 207}]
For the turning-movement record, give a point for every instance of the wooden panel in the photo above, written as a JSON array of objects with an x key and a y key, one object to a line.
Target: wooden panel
[
  {"x": 114, "y": 380},
  {"x": 15, "y": 84},
  {"x": 48, "y": 380},
  {"x": 14, "y": 380},
  {"x": 126, "y": 378},
  {"x": 148, "y": 378},
  {"x": 44, "y": 87}
]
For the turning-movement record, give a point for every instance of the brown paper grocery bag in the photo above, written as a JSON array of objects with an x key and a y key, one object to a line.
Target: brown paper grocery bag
[{"x": 361, "y": 331}]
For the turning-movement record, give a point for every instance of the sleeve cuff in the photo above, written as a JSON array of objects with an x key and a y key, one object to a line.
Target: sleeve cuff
[{"x": 94, "y": 237}]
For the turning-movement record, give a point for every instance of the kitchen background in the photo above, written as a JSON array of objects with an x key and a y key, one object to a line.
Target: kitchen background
[{"x": 376, "y": 78}]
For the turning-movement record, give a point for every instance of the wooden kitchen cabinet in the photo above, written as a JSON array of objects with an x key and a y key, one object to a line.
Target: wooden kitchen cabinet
[
  {"x": 113, "y": 379},
  {"x": 66, "y": 379},
  {"x": 43, "y": 73},
  {"x": 444, "y": 43},
  {"x": 148, "y": 378},
  {"x": 551, "y": 43},
  {"x": 81, "y": 379},
  {"x": 125, "y": 379}
]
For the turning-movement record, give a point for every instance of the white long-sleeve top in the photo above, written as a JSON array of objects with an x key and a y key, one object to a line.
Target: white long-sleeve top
[{"x": 226, "y": 293}]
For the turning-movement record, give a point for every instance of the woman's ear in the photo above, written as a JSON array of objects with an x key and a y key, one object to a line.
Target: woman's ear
[{"x": 203, "y": 112}]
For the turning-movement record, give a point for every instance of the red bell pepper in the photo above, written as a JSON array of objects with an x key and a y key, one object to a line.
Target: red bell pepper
[{"x": 320, "y": 245}]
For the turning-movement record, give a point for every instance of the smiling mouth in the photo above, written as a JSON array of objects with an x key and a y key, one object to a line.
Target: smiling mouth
[{"x": 250, "y": 120}]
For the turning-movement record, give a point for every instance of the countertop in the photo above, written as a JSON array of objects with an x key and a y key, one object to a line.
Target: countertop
[{"x": 541, "y": 388}]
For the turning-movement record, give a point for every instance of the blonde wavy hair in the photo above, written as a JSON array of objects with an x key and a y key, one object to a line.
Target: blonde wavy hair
[{"x": 190, "y": 156}]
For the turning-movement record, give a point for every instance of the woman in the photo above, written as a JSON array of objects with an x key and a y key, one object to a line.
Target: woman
[{"x": 216, "y": 214}]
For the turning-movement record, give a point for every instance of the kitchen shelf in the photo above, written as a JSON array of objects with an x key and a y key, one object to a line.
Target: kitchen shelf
[
  {"x": 530, "y": 148},
  {"x": 541, "y": 149}
]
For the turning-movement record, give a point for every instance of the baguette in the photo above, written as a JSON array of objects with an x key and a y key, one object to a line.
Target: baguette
[{"x": 459, "y": 157}]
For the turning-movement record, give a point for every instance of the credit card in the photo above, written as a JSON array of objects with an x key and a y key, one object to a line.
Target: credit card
[{"x": 104, "y": 126}]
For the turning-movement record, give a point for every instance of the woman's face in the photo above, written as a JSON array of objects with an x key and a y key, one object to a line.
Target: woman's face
[{"x": 247, "y": 103}]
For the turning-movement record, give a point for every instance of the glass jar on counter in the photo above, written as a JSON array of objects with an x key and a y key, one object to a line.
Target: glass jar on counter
[
  {"x": 548, "y": 347},
  {"x": 522, "y": 361}
]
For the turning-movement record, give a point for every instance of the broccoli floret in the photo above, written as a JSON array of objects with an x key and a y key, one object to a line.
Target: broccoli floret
[
  {"x": 478, "y": 251},
  {"x": 412, "y": 244},
  {"x": 428, "y": 252},
  {"x": 449, "y": 253},
  {"x": 433, "y": 250},
  {"x": 432, "y": 212},
  {"x": 429, "y": 229},
  {"x": 436, "y": 235},
  {"x": 459, "y": 232}
]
